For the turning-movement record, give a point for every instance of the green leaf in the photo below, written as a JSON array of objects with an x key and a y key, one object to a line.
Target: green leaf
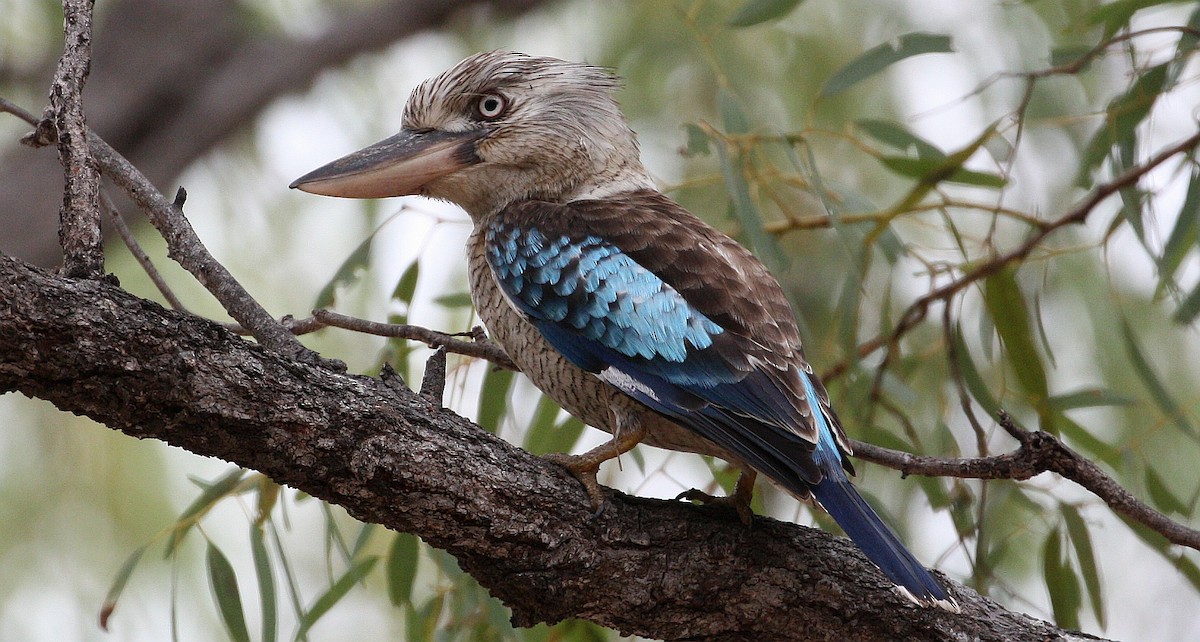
[
  {"x": 760, "y": 11},
  {"x": 406, "y": 287},
  {"x": 454, "y": 301},
  {"x": 268, "y": 497},
  {"x": 733, "y": 117},
  {"x": 402, "y": 568},
  {"x": 698, "y": 142},
  {"x": 1170, "y": 552},
  {"x": 1189, "y": 307},
  {"x": 266, "y": 583},
  {"x": 1184, "y": 235},
  {"x": 1162, "y": 496},
  {"x": 118, "y": 585},
  {"x": 545, "y": 435},
  {"x": 1081, "y": 438},
  {"x": 364, "y": 536},
  {"x": 1133, "y": 199},
  {"x": 880, "y": 57},
  {"x": 1088, "y": 398},
  {"x": 971, "y": 377},
  {"x": 493, "y": 399},
  {"x": 935, "y": 170},
  {"x": 349, "y": 272},
  {"x": 1084, "y": 552},
  {"x": 225, "y": 589},
  {"x": 1115, "y": 15},
  {"x": 847, "y": 309},
  {"x": 541, "y": 426},
  {"x": 733, "y": 164},
  {"x": 1188, "y": 41},
  {"x": 208, "y": 498},
  {"x": 742, "y": 206},
  {"x": 1061, "y": 582},
  {"x": 420, "y": 624},
  {"x": 289, "y": 577},
  {"x": 1122, "y": 117},
  {"x": 897, "y": 136},
  {"x": 1047, "y": 349},
  {"x": 333, "y": 535},
  {"x": 1006, "y": 305},
  {"x": 1149, "y": 379},
  {"x": 335, "y": 593}
]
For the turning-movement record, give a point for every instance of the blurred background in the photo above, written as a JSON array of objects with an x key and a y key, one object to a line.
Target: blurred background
[{"x": 868, "y": 151}]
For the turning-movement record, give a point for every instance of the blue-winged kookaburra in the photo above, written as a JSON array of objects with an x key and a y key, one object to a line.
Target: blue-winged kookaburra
[{"x": 633, "y": 314}]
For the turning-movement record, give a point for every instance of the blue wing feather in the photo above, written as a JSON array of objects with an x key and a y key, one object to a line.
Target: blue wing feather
[{"x": 609, "y": 315}]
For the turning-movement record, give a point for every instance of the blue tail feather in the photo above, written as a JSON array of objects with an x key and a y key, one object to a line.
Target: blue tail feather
[{"x": 880, "y": 543}]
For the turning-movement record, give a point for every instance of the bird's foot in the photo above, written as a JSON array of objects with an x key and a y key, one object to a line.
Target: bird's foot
[
  {"x": 584, "y": 468},
  {"x": 739, "y": 501}
]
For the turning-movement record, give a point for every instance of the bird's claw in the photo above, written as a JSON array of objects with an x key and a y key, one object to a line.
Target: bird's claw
[
  {"x": 739, "y": 501},
  {"x": 732, "y": 502},
  {"x": 584, "y": 469}
]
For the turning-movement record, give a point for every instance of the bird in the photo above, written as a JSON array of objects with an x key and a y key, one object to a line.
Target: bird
[{"x": 629, "y": 311}]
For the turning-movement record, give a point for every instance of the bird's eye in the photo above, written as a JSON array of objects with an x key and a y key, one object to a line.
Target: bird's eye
[{"x": 491, "y": 106}]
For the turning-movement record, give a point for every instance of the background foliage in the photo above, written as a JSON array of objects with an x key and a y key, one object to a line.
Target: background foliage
[{"x": 869, "y": 152}]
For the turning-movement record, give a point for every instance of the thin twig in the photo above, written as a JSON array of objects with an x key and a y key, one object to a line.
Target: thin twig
[
  {"x": 185, "y": 247},
  {"x": 480, "y": 346},
  {"x": 9, "y": 107},
  {"x": 1039, "y": 452},
  {"x": 79, "y": 217},
  {"x": 143, "y": 259}
]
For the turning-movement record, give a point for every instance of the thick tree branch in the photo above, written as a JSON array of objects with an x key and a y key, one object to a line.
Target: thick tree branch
[{"x": 519, "y": 524}]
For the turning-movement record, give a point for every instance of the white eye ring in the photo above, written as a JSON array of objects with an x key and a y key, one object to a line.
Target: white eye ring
[{"x": 491, "y": 105}]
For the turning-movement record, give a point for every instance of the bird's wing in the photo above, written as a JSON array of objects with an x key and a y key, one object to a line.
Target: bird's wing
[{"x": 673, "y": 313}]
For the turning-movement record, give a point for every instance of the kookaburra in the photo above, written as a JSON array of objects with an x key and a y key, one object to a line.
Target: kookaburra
[{"x": 633, "y": 314}]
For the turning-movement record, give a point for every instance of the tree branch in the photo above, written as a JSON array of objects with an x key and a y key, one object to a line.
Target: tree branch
[
  {"x": 79, "y": 217},
  {"x": 185, "y": 247},
  {"x": 518, "y": 524},
  {"x": 1040, "y": 452},
  {"x": 479, "y": 346}
]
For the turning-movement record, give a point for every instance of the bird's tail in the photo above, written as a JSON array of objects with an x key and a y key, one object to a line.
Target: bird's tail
[{"x": 882, "y": 546}]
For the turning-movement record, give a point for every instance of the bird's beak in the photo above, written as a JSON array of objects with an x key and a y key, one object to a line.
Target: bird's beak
[{"x": 398, "y": 166}]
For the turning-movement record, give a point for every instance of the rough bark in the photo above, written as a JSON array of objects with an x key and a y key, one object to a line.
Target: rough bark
[{"x": 518, "y": 524}]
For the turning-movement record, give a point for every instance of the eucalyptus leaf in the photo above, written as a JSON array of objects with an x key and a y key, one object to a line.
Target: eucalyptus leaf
[
  {"x": 118, "y": 585},
  {"x": 223, "y": 580},
  {"x": 882, "y": 56},
  {"x": 756, "y": 12},
  {"x": 336, "y": 592}
]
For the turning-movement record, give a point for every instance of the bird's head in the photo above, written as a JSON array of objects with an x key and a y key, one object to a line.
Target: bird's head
[{"x": 497, "y": 128}]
